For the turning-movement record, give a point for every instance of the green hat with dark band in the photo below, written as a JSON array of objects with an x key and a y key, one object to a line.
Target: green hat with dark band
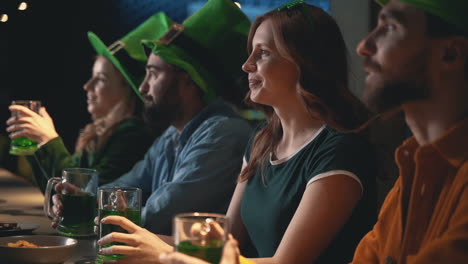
[
  {"x": 129, "y": 49},
  {"x": 210, "y": 45},
  {"x": 452, "y": 11}
]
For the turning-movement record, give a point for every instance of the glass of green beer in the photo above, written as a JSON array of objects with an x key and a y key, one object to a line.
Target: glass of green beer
[
  {"x": 201, "y": 235},
  {"x": 21, "y": 145},
  {"x": 79, "y": 199},
  {"x": 122, "y": 201}
]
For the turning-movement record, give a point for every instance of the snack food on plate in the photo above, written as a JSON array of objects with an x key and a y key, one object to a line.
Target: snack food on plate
[{"x": 23, "y": 244}]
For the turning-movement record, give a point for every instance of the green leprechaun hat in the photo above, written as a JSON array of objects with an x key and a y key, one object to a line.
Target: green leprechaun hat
[
  {"x": 129, "y": 49},
  {"x": 210, "y": 45},
  {"x": 451, "y": 11}
]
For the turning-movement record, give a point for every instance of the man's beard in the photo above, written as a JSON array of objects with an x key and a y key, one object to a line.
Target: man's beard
[
  {"x": 392, "y": 95},
  {"x": 386, "y": 96},
  {"x": 159, "y": 115}
]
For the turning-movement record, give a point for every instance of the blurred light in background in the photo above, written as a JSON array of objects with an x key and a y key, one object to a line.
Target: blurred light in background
[
  {"x": 130, "y": 13},
  {"x": 23, "y": 6},
  {"x": 3, "y": 18},
  {"x": 14, "y": 11},
  {"x": 254, "y": 8}
]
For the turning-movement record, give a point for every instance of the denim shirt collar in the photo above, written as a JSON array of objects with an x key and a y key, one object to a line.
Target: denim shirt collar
[{"x": 216, "y": 108}]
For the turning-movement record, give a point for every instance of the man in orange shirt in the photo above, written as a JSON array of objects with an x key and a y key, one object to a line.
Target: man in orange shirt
[{"x": 417, "y": 60}]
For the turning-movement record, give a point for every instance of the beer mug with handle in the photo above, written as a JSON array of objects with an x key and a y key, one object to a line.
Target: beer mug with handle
[
  {"x": 201, "y": 235},
  {"x": 121, "y": 201},
  {"x": 79, "y": 199}
]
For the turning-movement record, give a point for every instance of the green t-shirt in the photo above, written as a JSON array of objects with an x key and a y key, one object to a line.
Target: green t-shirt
[{"x": 267, "y": 209}]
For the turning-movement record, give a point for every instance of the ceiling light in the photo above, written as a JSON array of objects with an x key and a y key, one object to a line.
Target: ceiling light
[
  {"x": 23, "y": 6},
  {"x": 3, "y": 18}
]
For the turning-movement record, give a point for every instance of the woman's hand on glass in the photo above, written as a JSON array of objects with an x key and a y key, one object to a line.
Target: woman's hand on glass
[
  {"x": 215, "y": 230},
  {"x": 27, "y": 123},
  {"x": 230, "y": 256},
  {"x": 141, "y": 246}
]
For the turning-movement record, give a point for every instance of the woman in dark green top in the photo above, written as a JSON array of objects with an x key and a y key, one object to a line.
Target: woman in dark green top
[
  {"x": 306, "y": 193},
  {"x": 112, "y": 143}
]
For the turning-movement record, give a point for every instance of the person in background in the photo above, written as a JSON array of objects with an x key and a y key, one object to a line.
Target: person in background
[
  {"x": 193, "y": 165},
  {"x": 417, "y": 61},
  {"x": 306, "y": 193},
  {"x": 117, "y": 137}
]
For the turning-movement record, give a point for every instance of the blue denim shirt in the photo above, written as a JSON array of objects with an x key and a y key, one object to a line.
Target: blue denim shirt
[{"x": 195, "y": 170}]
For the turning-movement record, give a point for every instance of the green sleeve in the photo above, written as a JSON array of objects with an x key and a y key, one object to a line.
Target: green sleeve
[
  {"x": 124, "y": 147},
  {"x": 49, "y": 160},
  {"x": 127, "y": 145}
]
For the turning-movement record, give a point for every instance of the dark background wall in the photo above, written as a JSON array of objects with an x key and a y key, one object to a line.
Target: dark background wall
[
  {"x": 45, "y": 54},
  {"x": 48, "y": 58}
]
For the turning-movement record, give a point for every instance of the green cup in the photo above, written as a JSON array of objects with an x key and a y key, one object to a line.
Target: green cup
[
  {"x": 122, "y": 201},
  {"x": 201, "y": 235},
  {"x": 24, "y": 146},
  {"x": 79, "y": 201}
]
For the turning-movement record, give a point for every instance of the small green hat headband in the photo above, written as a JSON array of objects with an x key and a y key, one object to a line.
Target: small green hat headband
[
  {"x": 129, "y": 49},
  {"x": 451, "y": 11},
  {"x": 209, "y": 46},
  {"x": 303, "y": 7}
]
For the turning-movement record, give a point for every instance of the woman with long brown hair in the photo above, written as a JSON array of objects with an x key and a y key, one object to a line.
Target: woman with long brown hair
[{"x": 306, "y": 193}]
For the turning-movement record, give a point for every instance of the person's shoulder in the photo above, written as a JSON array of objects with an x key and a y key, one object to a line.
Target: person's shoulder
[
  {"x": 333, "y": 136},
  {"x": 348, "y": 151},
  {"x": 344, "y": 142},
  {"x": 130, "y": 124},
  {"x": 226, "y": 124},
  {"x": 216, "y": 131},
  {"x": 161, "y": 142},
  {"x": 168, "y": 133}
]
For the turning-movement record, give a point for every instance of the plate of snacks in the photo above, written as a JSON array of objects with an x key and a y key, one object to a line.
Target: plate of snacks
[
  {"x": 36, "y": 249},
  {"x": 12, "y": 229}
]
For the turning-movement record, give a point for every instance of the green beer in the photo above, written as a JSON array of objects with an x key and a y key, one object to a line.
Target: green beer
[
  {"x": 22, "y": 146},
  {"x": 132, "y": 214},
  {"x": 78, "y": 214},
  {"x": 210, "y": 252},
  {"x": 201, "y": 235}
]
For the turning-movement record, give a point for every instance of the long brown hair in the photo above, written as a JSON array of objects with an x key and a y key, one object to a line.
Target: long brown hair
[
  {"x": 320, "y": 53},
  {"x": 95, "y": 134}
]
